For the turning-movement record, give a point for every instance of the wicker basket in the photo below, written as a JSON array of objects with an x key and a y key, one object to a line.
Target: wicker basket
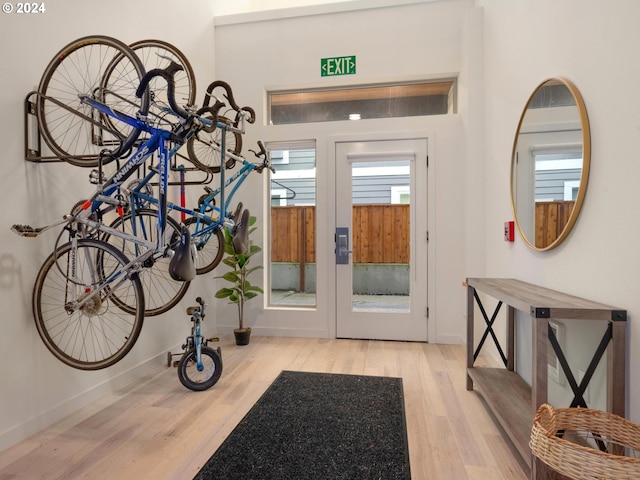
[{"x": 582, "y": 460}]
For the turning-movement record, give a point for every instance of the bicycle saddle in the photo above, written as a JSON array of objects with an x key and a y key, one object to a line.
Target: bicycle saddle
[
  {"x": 182, "y": 266},
  {"x": 240, "y": 240}
]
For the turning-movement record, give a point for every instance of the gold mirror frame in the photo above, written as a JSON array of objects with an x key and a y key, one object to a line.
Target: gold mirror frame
[{"x": 584, "y": 176}]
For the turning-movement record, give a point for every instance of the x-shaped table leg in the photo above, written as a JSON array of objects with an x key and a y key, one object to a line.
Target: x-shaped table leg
[
  {"x": 489, "y": 329},
  {"x": 578, "y": 390}
]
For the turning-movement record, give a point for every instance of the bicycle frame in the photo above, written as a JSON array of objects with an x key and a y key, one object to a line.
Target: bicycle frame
[
  {"x": 105, "y": 195},
  {"x": 157, "y": 142},
  {"x": 197, "y": 339},
  {"x": 138, "y": 196},
  {"x": 224, "y": 214}
]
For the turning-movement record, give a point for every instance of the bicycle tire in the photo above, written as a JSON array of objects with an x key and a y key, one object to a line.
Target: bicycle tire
[
  {"x": 162, "y": 292},
  {"x": 203, "y": 154},
  {"x": 188, "y": 372},
  {"x": 94, "y": 336},
  {"x": 79, "y": 69},
  {"x": 210, "y": 245},
  {"x": 151, "y": 53}
]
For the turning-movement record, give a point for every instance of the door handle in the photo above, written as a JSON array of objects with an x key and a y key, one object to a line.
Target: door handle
[{"x": 342, "y": 246}]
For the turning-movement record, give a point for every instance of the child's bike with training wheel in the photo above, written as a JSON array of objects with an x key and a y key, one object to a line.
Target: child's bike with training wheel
[{"x": 200, "y": 366}]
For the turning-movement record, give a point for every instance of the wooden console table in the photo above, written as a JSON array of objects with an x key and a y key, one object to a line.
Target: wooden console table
[{"x": 512, "y": 401}]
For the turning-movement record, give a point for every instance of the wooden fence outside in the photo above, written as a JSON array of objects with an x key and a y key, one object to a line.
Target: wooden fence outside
[
  {"x": 381, "y": 234},
  {"x": 551, "y": 219},
  {"x": 293, "y": 233}
]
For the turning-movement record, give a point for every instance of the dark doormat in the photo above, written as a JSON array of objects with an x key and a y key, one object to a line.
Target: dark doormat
[{"x": 318, "y": 426}]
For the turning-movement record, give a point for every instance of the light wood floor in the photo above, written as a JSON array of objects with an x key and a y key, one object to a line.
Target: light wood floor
[{"x": 157, "y": 429}]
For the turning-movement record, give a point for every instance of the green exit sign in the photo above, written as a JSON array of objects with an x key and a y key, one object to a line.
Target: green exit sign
[{"x": 338, "y": 66}]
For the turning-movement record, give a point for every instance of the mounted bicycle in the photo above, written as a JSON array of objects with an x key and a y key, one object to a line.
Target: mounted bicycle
[{"x": 88, "y": 297}]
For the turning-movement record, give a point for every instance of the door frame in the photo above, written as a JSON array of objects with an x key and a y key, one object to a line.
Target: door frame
[{"x": 431, "y": 209}]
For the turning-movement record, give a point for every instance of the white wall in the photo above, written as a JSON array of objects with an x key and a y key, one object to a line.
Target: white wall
[
  {"x": 501, "y": 52},
  {"x": 391, "y": 44},
  {"x": 36, "y": 388},
  {"x": 593, "y": 44}
]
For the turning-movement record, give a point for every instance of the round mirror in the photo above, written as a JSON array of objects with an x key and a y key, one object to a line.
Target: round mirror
[{"x": 550, "y": 164}]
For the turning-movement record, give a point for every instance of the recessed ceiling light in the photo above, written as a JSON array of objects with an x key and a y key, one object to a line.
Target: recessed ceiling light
[{"x": 354, "y": 116}]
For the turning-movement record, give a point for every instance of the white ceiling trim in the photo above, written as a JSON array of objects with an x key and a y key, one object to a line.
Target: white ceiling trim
[{"x": 292, "y": 12}]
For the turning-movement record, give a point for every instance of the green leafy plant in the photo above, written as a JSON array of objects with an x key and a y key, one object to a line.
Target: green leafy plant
[{"x": 240, "y": 289}]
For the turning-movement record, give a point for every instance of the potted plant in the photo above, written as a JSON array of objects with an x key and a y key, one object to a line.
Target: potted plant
[{"x": 240, "y": 289}]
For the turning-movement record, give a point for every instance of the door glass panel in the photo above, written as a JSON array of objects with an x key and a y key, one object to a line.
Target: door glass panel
[
  {"x": 381, "y": 226},
  {"x": 293, "y": 226}
]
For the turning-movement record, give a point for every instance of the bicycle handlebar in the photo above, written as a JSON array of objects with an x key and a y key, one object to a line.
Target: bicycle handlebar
[
  {"x": 197, "y": 312},
  {"x": 229, "y": 96},
  {"x": 262, "y": 154},
  {"x": 246, "y": 112},
  {"x": 167, "y": 74},
  {"x": 213, "y": 113}
]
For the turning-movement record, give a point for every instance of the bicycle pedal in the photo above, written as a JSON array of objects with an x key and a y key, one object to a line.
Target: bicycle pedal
[
  {"x": 176, "y": 363},
  {"x": 25, "y": 230},
  {"x": 213, "y": 339}
]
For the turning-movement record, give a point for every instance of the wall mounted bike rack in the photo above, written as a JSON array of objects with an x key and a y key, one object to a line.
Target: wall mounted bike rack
[
  {"x": 33, "y": 147},
  {"x": 32, "y": 151}
]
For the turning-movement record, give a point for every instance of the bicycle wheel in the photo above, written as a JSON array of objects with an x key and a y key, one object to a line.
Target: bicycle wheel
[
  {"x": 161, "y": 291},
  {"x": 204, "y": 148},
  {"x": 157, "y": 54},
  {"x": 209, "y": 244},
  {"x": 74, "y": 131},
  {"x": 206, "y": 376},
  {"x": 96, "y": 334}
]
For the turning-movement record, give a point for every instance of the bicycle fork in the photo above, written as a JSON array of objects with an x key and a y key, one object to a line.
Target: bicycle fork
[
  {"x": 198, "y": 347},
  {"x": 92, "y": 295}
]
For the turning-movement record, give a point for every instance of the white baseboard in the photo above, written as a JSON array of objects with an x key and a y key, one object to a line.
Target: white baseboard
[
  {"x": 279, "y": 332},
  {"x": 320, "y": 333},
  {"x": 449, "y": 340}
]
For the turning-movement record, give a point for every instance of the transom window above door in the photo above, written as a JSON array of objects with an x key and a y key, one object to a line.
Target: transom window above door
[{"x": 362, "y": 102}]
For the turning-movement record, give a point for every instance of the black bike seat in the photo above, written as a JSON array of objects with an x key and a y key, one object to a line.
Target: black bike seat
[
  {"x": 240, "y": 240},
  {"x": 182, "y": 267}
]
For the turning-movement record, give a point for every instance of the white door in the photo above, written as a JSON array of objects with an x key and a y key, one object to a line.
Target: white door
[{"x": 381, "y": 239}]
